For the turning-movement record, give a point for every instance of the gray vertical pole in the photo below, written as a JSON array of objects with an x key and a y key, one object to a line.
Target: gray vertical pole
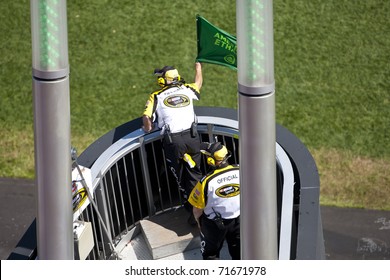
[
  {"x": 52, "y": 129},
  {"x": 256, "y": 91}
]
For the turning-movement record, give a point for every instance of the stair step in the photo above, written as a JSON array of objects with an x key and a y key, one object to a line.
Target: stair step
[{"x": 169, "y": 233}]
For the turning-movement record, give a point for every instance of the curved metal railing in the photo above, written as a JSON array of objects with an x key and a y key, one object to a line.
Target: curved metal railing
[{"x": 130, "y": 182}]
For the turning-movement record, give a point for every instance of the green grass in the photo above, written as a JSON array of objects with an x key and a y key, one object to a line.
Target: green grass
[
  {"x": 331, "y": 70},
  {"x": 332, "y": 74}
]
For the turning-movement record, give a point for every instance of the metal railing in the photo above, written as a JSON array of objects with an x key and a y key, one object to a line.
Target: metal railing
[{"x": 131, "y": 182}]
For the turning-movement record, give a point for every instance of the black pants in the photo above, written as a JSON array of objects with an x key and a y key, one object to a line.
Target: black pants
[
  {"x": 213, "y": 236},
  {"x": 175, "y": 147}
]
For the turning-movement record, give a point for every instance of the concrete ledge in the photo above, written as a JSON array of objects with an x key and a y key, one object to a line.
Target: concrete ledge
[{"x": 169, "y": 233}]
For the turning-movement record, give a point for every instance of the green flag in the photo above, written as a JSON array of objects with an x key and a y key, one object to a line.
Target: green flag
[{"x": 215, "y": 45}]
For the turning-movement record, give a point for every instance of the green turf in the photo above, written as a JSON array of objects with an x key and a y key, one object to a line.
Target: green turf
[
  {"x": 331, "y": 69},
  {"x": 332, "y": 73}
]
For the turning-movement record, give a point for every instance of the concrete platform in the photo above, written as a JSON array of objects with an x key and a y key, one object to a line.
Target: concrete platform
[{"x": 169, "y": 233}]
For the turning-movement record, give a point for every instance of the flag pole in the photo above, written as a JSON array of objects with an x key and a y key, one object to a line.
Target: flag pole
[
  {"x": 256, "y": 90},
  {"x": 50, "y": 71}
]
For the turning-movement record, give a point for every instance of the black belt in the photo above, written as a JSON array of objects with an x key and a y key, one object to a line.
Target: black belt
[
  {"x": 224, "y": 220},
  {"x": 231, "y": 220},
  {"x": 183, "y": 132}
]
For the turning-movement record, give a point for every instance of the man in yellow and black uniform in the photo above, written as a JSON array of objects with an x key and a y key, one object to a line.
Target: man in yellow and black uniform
[
  {"x": 216, "y": 204},
  {"x": 172, "y": 107}
]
